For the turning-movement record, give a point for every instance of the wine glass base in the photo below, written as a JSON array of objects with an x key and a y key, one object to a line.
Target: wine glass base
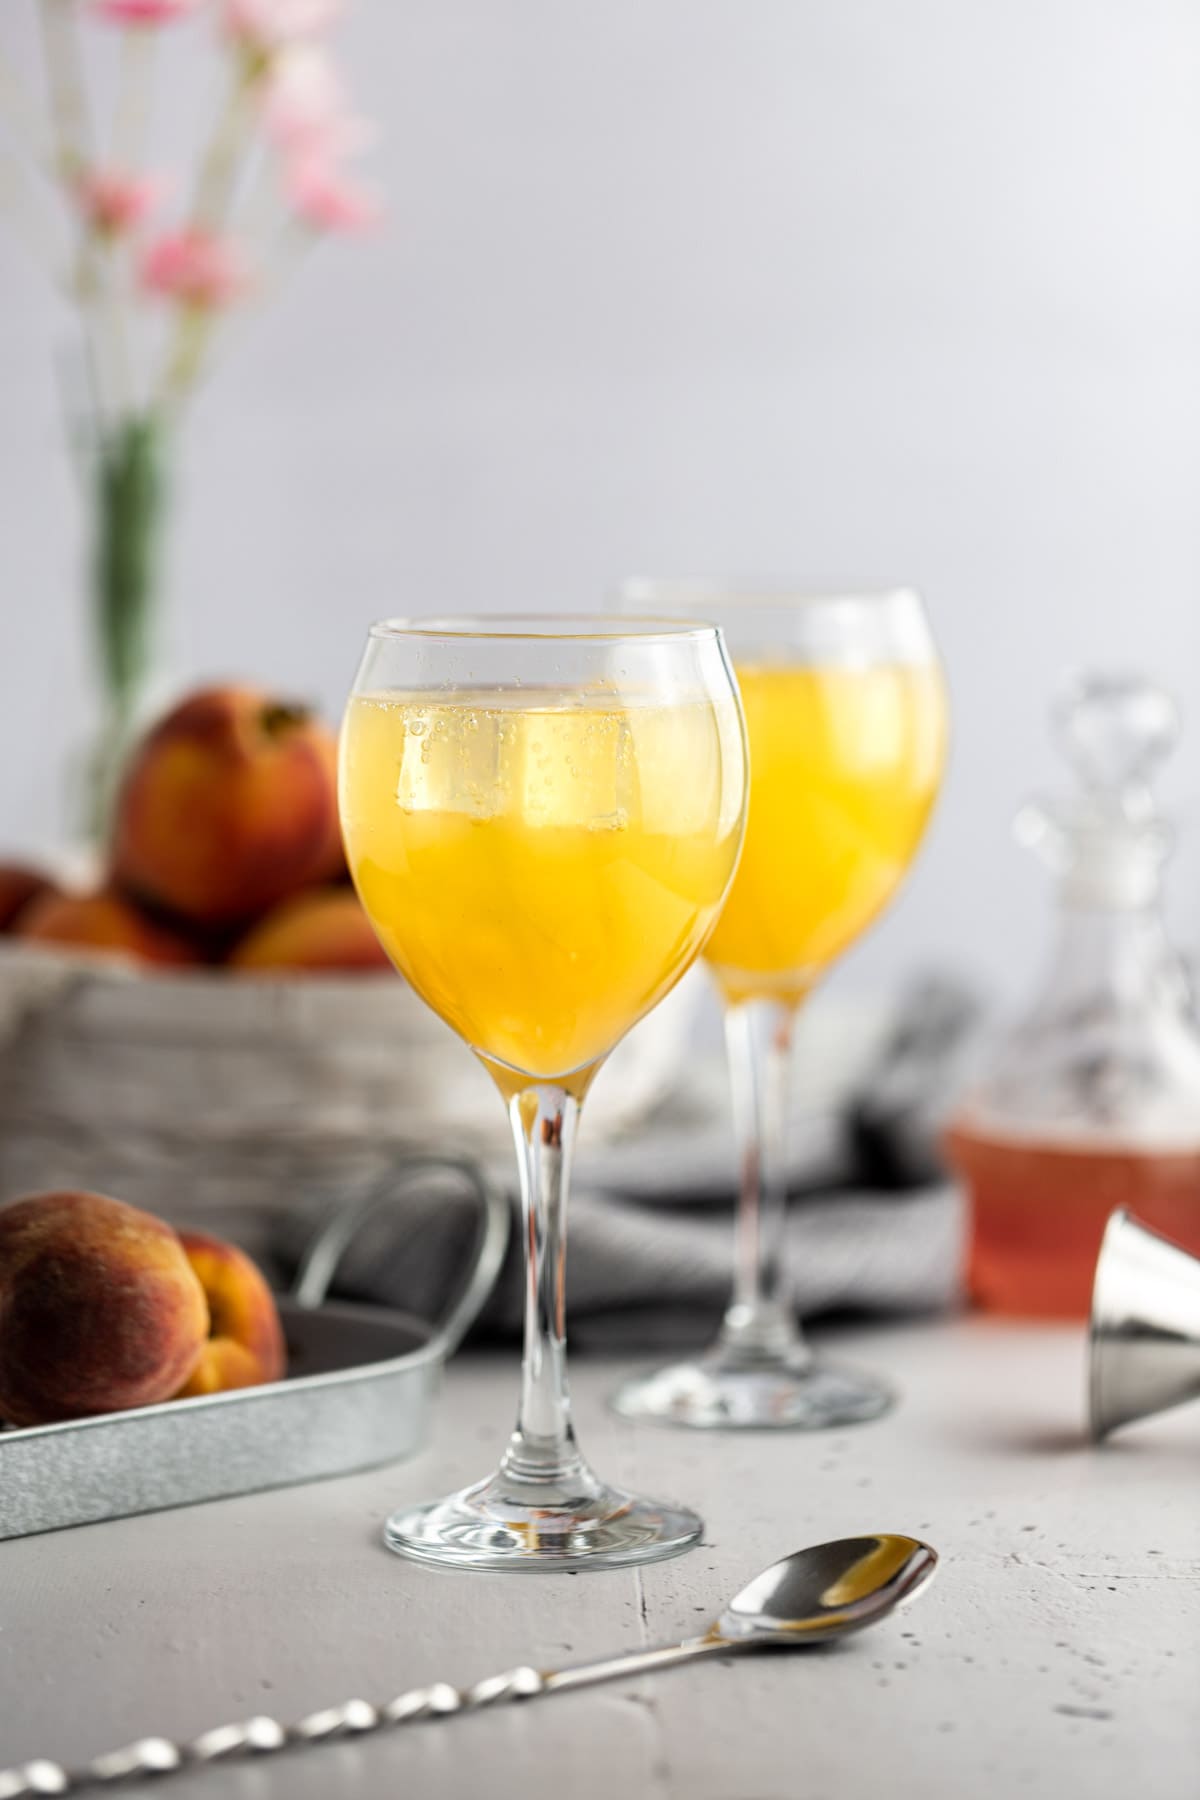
[
  {"x": 502, "y": 1524},
  {"x": 721, "y": 1393}
]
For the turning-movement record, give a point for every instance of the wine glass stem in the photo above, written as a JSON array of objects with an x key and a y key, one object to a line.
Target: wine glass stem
[
  {"x": 542, "y": 1448},
  {"x": 760, "y": 1322}
]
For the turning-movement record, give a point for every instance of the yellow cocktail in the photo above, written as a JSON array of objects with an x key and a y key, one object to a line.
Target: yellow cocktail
[
  {"x": 844, "y": 769},
  {"x": 541, "y": 867}
]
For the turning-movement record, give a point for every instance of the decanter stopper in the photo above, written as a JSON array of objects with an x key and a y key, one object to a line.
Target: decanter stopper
[
  {"x": 1107, "y": 837},
  {"x": 1116, "y": 730}
]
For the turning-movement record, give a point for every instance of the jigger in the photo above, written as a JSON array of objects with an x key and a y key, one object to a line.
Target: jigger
[{"x": 1144, "y": 1347}]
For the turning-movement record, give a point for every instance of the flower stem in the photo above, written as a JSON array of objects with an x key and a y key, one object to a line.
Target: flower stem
[
  {"x": 72, "y": 136},
  {"x": 219, "y": 166},
  {"x": 188, "y": 347},
  {"x": 133, "y": 95},
  {"x": 213, "y": 197},
  {"x": 68, "y": 95}
]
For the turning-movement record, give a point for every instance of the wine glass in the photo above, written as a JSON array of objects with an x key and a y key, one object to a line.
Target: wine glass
[
  {"x": 846, "y": 722},
  {"x": 542, "y": 817}
]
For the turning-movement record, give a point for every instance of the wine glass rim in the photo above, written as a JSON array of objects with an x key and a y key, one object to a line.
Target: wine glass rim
[
  {"x": 764, "y": 590},
  {"x": 566, "y": 627}
]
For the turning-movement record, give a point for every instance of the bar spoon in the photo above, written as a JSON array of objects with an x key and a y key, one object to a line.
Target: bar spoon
[{"x": 810, "y": 1597}]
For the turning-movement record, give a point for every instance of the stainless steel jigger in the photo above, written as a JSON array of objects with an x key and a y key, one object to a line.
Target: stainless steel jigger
[{"x": 1144, "y": 1348}]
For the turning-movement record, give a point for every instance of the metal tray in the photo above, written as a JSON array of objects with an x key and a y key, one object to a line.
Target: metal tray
[{"x": 358, "y": 1392}]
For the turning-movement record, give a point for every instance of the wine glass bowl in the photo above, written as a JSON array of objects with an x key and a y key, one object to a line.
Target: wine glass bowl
[{"x": 547, "y": 859}]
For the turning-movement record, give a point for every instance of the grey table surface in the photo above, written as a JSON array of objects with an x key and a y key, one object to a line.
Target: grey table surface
[{"x": 1058, "y": 1652}]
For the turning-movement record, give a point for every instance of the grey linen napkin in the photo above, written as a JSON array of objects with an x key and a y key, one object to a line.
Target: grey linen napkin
[{"x": 873, "y": 1224}]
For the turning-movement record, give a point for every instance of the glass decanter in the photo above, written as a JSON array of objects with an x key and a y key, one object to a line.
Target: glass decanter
[{"x": 1093, "y": 1101}]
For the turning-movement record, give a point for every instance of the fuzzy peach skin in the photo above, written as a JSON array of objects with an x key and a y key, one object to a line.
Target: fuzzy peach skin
[
  {"x": 326, "y": 929},
  {"x": 100, "y": 1308},
  {"x": 103, "y": 922},
  {"x": 245, "y": 1343},
  {"x": 229, "y": 806},
  {"x": 20, "y": 886}
]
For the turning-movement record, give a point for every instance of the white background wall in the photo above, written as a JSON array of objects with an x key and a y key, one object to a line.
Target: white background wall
[{"x": 861, "y": 289}]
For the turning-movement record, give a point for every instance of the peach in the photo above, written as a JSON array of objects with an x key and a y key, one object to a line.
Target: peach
[
  {"x": 20, "y": 885},
  {"x": 229, "y": 806},
  {"x": 326, "y": 929},
  {"x": 103, "y": 922},
  {"x": 245, "y": 1343},
  {"x": 100, "y": 1308}
]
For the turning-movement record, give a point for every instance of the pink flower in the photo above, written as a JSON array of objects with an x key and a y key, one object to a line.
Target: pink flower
[
  {"x": 143, "y": 12},
  {"x": 113, "y": 201},
  {"x": 305, "y": 107},
  {"x": 266, "y": 25},
  {"x": 195, "y": 267},
  {"x": 327, "y": 199}
]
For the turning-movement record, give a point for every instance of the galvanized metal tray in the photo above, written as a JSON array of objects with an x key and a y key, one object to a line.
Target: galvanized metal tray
[{"x": 359, "y": 1388}]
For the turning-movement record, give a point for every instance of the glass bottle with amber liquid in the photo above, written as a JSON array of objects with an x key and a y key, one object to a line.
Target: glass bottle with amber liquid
[{"x": 1093, "y": 1101}]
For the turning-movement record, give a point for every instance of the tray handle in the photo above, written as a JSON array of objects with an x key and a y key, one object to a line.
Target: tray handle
[{"x": 320, "y": 1260}]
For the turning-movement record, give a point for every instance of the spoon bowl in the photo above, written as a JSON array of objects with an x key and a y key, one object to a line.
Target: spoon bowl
[{"x": 827, "y": 1590}]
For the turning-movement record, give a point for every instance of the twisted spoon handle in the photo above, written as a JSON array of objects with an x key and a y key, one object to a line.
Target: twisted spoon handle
[{"x": 263, "y": 1736}]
